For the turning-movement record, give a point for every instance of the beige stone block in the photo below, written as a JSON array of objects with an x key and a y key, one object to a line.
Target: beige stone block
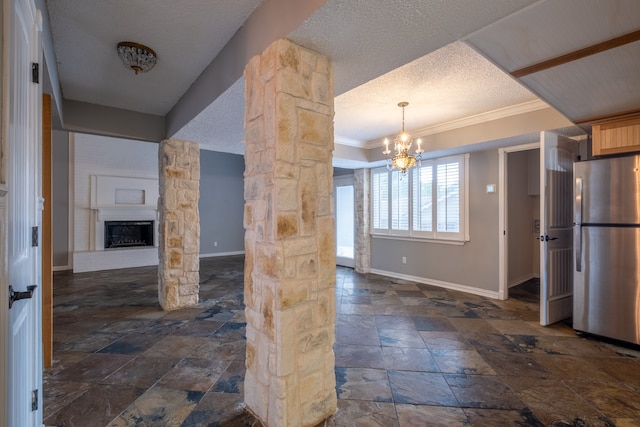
[
  {"x": 288, "y": 56},
  {"x": 174, "y": 242},
  {"x": 269, "y": 260},
  {"x": 194, "y": 171},
  {"x": 247, "y": 221},
  {"x": 289, "y": 267},
  {"x": 287, "y": 194},
  {"x": 286, "y": 351},
  {"x": 310, "y": 340},
  {"x": 254, "y": 90},
  {"x": 171, "y": 172},
  {"x": 191, "y": 215},
  {"x": 175, "y": 258},
  {"x": 287, "y": 225},
  {"x": 325, "y": 309},
  {"x": 299, "y": 246},
  {"x": 292, "y": 83},
  {"x": 291, "y": 293},
  {"x": 306, "y": 266},
  {"x": 254, "y": 187},
  {"x": 189, "y": 290},
  {"x": 269, "y": 110},
  {"x": 315, "y": 128},
  {"x": 286, "y": 170},
  {"x": 191, "y": 262},
  {"x": 307, "y": 201},
  {"x": 320, "y": 89},
  {"x": 268, "y": 63},
  {"x": 310, "y": 361},
  {"x": 287, "y": 128},
  {"x": 267, "y": 160},
  {"x": 256, "y": 395},
  {"x": 268, "y": 308},
  {"x": 254, "y": 131},
  {"x": 309, "y": 60},
  {"x": 304, "y": 316},
  {"x": 321, "y": 408},
  {"x": 312, "y": 152},
  {"x": 323, "y": 66}
]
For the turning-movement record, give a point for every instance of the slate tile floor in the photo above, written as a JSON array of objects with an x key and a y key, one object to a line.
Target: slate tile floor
[{"x": 407, "y": 354}]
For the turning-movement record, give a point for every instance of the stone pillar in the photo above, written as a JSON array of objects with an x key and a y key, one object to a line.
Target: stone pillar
[
  {"x": 361, "y": 194},
  {"x": 290, "y": 268},
  {"x": 179, "y": 226}
]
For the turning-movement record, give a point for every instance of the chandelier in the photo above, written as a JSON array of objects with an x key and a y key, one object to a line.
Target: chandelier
[
  {"x": 138, "y": 57},
  {"x": 402, "y": 159}
]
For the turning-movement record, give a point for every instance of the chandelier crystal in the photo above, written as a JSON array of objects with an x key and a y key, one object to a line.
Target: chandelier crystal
[
  {"x": 137, "y": 57},
  {"x": 402, "y": 159}
]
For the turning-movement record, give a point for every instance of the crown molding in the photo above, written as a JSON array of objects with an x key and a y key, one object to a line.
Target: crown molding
[
  {"x": 500, "y": 113},
  {"x": 349, "y": 141}
]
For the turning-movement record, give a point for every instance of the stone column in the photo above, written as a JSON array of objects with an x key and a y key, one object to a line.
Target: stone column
[
  {"x": 361, "y": 194},
  {"x": 179, "y": 226},
  {"x": 290, "y": 268}
]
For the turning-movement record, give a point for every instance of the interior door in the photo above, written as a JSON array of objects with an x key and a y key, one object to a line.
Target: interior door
[
  {"x": 21, "y": 174},
  {"x": 345, "y": 220},
  {"x": 557, "y": 155}
]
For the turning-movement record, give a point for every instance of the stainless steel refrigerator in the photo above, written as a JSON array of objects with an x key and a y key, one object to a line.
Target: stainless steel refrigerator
[{"x": 606, "y": 299}]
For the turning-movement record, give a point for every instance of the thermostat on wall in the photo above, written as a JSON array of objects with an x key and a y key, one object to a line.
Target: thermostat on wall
[{"x": 491, "y": 188}]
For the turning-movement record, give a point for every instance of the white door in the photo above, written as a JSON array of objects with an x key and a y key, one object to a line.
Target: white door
[
  {"x": 19, "y": 234},
  {"x": 345, "y": 219},
  {"x": 557, "y": 155}
]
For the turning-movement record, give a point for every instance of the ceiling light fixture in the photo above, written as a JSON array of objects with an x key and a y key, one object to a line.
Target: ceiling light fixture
[
  {"x": 402, "y": 160},
  {"x": 137, "y": 57}
]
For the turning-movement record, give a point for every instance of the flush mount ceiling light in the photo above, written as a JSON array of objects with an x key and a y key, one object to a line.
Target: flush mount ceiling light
[
  {"x": 136, "y": 56},
  {"x": 401, "y": 159}
]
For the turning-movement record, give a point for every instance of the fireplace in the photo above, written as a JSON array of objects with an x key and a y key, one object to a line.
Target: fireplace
[{"x": 128, "y": 234}]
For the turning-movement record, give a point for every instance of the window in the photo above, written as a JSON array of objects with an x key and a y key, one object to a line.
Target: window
[{"x": 437, "y": 206}]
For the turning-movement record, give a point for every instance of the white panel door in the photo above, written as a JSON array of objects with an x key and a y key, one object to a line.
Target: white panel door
[
  {"x": 21, "y": 148},
  {"x": 557, "y": 155}
]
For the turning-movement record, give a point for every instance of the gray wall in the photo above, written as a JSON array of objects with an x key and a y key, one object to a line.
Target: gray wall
[
  {"x": 474, "y": 264},
  {"x": 519, "y": 218},
  {"x": 60, "y": 184},
  {"x": 221, "y": 202}
]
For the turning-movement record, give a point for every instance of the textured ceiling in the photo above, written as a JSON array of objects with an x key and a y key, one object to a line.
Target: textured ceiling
[
  {"x": 186, "y": 36},
  {"x": 429, "y": 53}
]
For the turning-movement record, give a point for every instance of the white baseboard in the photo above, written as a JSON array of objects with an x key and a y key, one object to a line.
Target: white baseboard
[
  {"x": 521, "y": 279},
  {"x": 215, "y": 254},
  {"x": 61, "y": 268},
  {"x": 440, "y": 283}
]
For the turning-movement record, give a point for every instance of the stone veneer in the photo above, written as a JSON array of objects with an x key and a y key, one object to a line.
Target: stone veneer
[
  {"x": 179, "y": 226},
  {"x": 290, "y": 268},
  {"x": 361, "y": 185}
]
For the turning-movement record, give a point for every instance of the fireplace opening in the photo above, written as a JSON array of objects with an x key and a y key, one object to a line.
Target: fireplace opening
[{"x": 128, "y": 234}]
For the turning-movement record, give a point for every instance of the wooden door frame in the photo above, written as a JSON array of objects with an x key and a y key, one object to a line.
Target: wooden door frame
[{"x": 47, "y": 234}]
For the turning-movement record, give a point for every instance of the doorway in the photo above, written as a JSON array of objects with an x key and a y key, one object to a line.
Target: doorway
[{"x": 345, "y": 218}]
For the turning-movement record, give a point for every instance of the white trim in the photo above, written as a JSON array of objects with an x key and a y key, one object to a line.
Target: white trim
[
  {"x": 520, "y": 280},
  {"x": 438, "y": 283},
  {"x": 503, "y": 288},
  {"x": 342, "y": 140},
  {"x": 500, "y": 113},
  {"x": 62, "y": 268},
  {"x": 416, "y": 239},
  {"x": 218, "y": 254},
  {"x": 71, "y": 195}
]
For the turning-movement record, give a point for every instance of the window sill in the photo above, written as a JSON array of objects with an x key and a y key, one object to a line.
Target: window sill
[{"x": 417, "y": 239}]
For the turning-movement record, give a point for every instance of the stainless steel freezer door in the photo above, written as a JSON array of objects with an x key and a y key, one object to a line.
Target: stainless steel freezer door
[
  {"x": 607, "y": 290},
  {"x": 611, "y": 190}
]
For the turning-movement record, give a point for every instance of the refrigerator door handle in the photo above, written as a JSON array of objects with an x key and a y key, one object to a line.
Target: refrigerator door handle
[{"x": 577, "y": 225}]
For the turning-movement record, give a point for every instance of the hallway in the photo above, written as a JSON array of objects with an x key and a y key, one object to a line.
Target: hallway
[{"x": 407, "y": 354}]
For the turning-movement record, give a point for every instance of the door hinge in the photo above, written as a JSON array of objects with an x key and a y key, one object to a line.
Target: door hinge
[
  {"x": 34, "y": 236},
  {"x": 35, "y": 72},
  {"x": 34, "y": 400}
]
